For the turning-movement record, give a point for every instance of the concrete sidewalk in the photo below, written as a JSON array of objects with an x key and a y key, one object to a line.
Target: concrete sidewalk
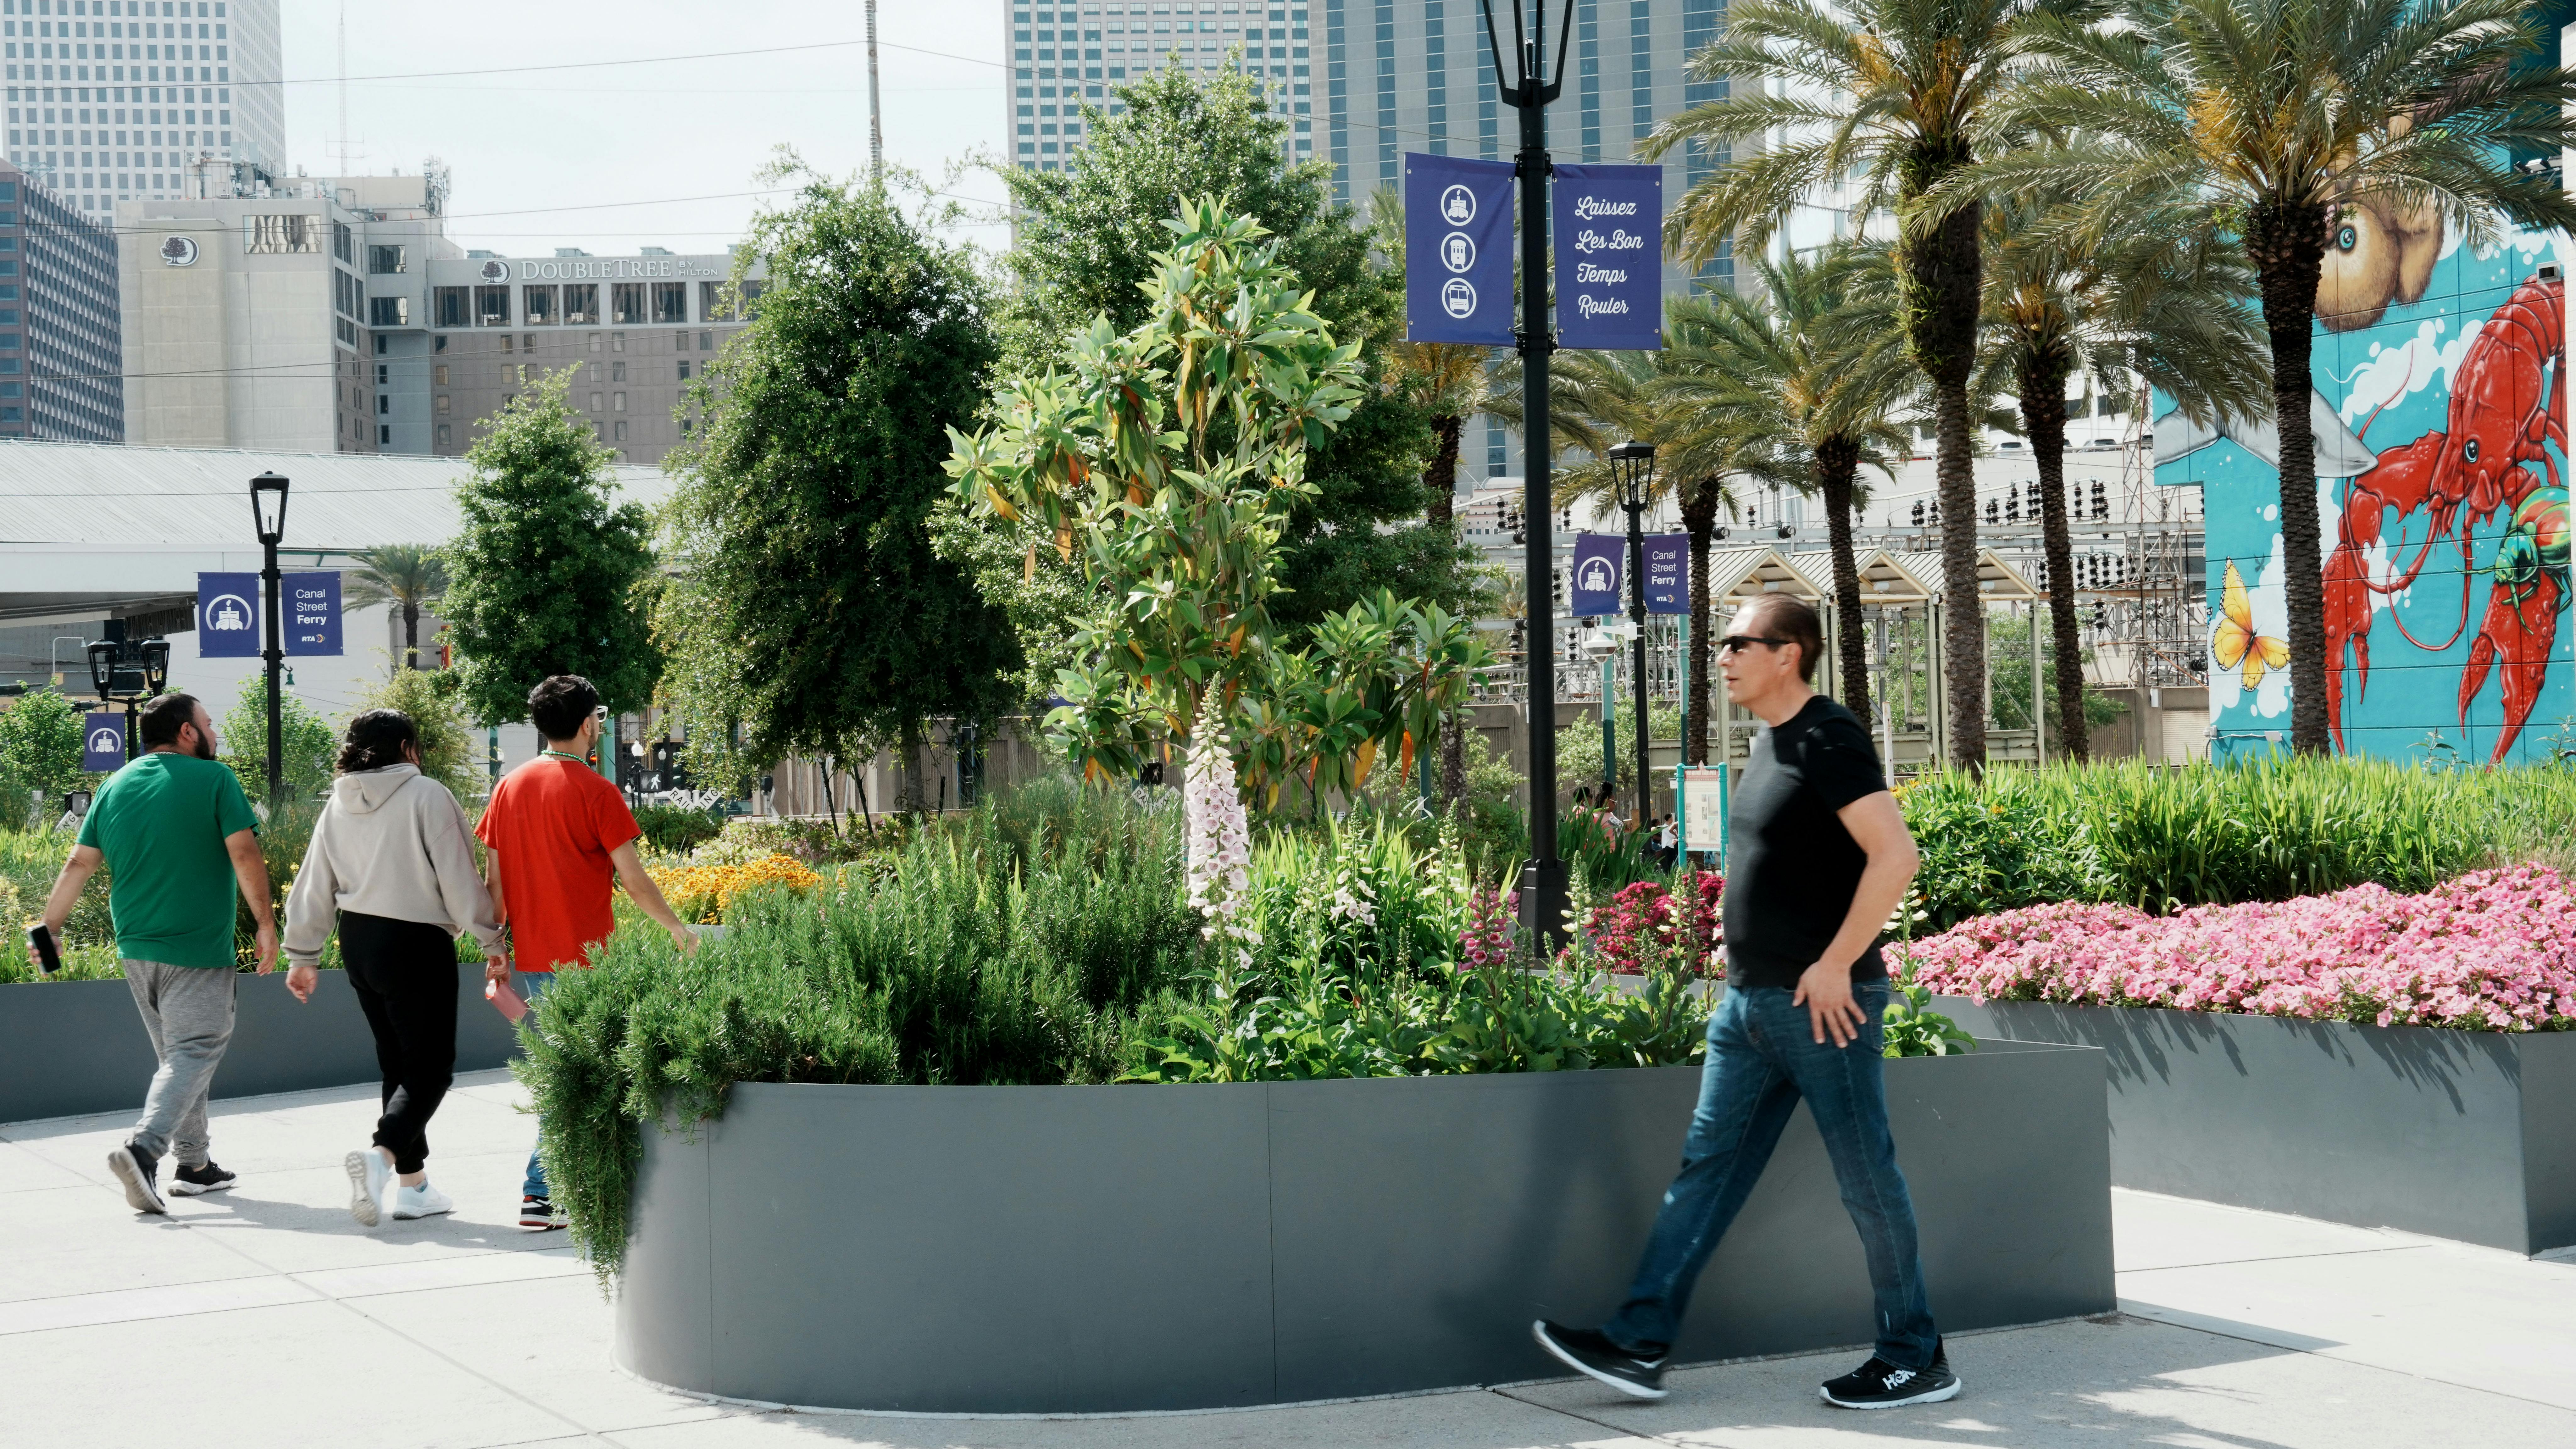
[{"x": 264, "y": 1317}]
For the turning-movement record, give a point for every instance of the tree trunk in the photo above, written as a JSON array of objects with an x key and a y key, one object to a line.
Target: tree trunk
[
  {"x": 411, "y": 635},
  {"x": 1940, "y": 282},
  {"x": 1441, "y": 478},
  {"x": 910, "y": 773},
  {"x": 1837, "y": 462},
  {"x": 1699, "y": 516},
  {"x": 2043, "y": 416},
  {"x": 2287, "y": 246}
]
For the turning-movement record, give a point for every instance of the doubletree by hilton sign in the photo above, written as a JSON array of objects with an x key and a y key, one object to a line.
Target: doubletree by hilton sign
[{"x": 604, "y": 269}]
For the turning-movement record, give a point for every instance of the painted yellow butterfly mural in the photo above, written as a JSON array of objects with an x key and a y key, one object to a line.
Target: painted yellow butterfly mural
[{"x": 2236, "y": 642}]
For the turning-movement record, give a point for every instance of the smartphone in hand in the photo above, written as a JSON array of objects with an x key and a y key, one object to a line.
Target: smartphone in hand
[{"x": 49, "y": 954}]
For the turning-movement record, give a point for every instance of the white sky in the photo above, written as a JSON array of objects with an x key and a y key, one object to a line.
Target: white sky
[{"x": 551, "y": 146}]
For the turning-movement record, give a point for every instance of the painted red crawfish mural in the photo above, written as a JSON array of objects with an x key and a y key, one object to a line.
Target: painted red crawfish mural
[{"x": 2507, "y": 396}]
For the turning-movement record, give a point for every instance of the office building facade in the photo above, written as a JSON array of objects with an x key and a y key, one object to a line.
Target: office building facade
[
  {"x": 1062, "y": 56},
  {"x": 61, "y": 358},
  {"x": 121, "y": 100},
  {"x": 340, "y": 318}
]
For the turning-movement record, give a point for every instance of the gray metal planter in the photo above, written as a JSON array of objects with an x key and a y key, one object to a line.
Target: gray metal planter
[
  {"x": 69, "y": 1048},
  {"x": 2458, "y": 1134},
  {"x": 1070, "y": 1249}
]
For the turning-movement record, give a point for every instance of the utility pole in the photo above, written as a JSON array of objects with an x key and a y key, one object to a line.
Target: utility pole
[
  {"x": 876, "y": 124},
  {"x": 1544, "y": 878}
]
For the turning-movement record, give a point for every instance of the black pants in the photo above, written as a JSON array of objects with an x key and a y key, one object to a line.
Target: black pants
[{"x": 405, "y": 975}]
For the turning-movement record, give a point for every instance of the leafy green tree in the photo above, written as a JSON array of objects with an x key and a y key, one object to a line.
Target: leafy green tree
[
  {"x": 551, "y": 574},
  {"x": 449, "y": 752},
  {"x": 407, "y": 577},
  {"x": 308, "y": 748},
  {"x": 1088, "y": 239},
  {"x": 812, "y": 616},
  {"x": 1899, "y": 95},
  {"x": 40, "y": 749},
  {"x": 2276, "y": 121}
]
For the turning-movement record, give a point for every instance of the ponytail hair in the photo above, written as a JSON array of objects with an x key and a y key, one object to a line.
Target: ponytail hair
[{"x": 376, "y": 740}]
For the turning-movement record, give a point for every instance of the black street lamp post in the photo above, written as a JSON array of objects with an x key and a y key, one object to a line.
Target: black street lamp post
[
  {"x": 1544, "y": 878},
  {"x": 1632, "y": 466},
  {"x": 268, "y": 515}
]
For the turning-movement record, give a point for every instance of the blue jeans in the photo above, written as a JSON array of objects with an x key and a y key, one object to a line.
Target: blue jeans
[
  {"x": 530, "y": 985},
  {"x": 1762, "y": 1058}
]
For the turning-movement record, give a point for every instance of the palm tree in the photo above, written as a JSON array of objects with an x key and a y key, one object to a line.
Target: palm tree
[
  {"x": 1901, "y": 95},
  {"x": 2170, "y": 313},
  {"x": 2268, "y": 119},
  {"x": 1807, "y": 359},
  {"x": 410, "y": 576}
]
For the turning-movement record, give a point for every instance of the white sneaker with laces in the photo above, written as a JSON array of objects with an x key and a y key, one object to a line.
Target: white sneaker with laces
[
  {"x": 368, "y": 1174},
  {"x": 423, "y": 1201}
]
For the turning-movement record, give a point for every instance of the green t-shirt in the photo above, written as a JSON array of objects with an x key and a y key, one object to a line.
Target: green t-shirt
[{"x": 161, "y": 822}]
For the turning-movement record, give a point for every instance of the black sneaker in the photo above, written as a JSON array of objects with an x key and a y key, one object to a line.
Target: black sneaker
[
  {"x": 190, "y": 1181},
  {"x": 1590, "y": 1352},
  {"x": 541, "y": 1215},
  {"x": 1879, "y": 1384},
  {"x": 137, "y": 1172}
]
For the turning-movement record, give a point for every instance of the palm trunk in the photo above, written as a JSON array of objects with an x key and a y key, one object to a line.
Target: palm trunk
[
  {"x": 1453, "y": 758},
  {"x": 1940, "y": 285},
  {"x": 2043, "y": 416},
  {"x": 1699, "y": 516},
  {"x": 2287, "y": 247},
  {"x": 1837, "y": 462},
  {"x": 411, "y": 635},
  {"x": 1441, "y": 478}
]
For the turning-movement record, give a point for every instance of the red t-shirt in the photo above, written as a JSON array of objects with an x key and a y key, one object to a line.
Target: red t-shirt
[{"x": 552, "y": 822}]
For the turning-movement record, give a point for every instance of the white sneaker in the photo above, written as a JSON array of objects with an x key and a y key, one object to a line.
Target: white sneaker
[
  {"x": 423, "y": 1201},
  {"x": 368, "y": 1174}
]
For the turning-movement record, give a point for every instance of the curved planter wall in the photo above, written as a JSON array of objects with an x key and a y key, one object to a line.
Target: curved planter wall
[
  {"x": 1087, "y": 1249},
  {"x": 69, "y": 1048},
  {"x": 2459, "y": 1134}
]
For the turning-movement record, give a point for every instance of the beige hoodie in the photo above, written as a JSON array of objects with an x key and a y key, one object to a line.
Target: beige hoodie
[{"x": 391, "y": 843}]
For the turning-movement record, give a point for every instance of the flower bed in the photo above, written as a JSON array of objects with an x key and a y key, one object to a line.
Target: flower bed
[
  {"x": 2490, "y": 951},
  {"x": 700, "y": 893}
]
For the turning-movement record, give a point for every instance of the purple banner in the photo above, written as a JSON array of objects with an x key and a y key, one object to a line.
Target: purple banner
[
  {"x": 227, "y": 616},
  {"x": 1609, "y": 256},
  {"x": 1457, "y": 250},
  {"x": 311, "y": 604},
  {"x": 1597, "y": 586},
  {"x": 1668, "y": 573},
  {"x": 102, "y": 742}
]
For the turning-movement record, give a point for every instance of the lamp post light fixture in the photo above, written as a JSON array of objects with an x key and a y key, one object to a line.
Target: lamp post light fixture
[
  {"x": 1632, "y": 469},
  {"x": 268, "y": 517},
  {"x": 127, "y": 672},
  {"x": 1545, "y": 878}
]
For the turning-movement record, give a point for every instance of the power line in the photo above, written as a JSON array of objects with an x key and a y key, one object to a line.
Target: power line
[{"x": 632, "y": 60}]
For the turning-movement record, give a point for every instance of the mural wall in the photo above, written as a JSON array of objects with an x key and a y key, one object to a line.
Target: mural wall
[{"x": 2441, "y": 453}]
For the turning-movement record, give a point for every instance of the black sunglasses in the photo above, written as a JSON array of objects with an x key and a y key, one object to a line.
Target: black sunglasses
[{"x": 1738, "y": 643}]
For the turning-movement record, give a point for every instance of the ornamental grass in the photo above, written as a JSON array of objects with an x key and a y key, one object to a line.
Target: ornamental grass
[{"x": 2493, "y": 950}]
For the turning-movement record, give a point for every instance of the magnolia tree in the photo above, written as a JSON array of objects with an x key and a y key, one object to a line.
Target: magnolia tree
[{"x": 1166, "y": 462}]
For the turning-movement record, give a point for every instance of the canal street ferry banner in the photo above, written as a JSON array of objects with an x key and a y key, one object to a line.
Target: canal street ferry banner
[{"x": 2440, "y": 416}]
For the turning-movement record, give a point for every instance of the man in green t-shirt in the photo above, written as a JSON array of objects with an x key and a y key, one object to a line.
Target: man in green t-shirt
[{"x": 177, "y": 834}]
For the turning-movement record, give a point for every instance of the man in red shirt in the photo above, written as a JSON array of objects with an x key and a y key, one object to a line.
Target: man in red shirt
[{"x": 558, "y": 831}]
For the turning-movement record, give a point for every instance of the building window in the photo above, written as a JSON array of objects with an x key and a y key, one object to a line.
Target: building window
[
  {"x": 388, "y": 312},
  {"x": 617, "y": 342},
  {"x": 492, "y": 308},
  {"x": 706, "y": 342},
  {"x": 384, "y": 436},
  {"x": 618, "y": 403},
  {"x": 537, "y": 306},
  {"x": 711, "y": 302},
  {"x": 621, "y": 428},
  {"x": 594, "y": 341},
  {"x": 581, "y": 305},
  {"x": 274, "y": 235},
  {"x": 670, "y": 302},
  {"x": 384, "y": 261},
  {"x": 684, "y": 369},
  {"x": 453, "y": 306},
  {"x": 617, "y": 372},
  {"x": 442, "y": 407},
  {"x": 341, "y": 243},
  {"x": 597, "y": 401},
  {"x": 438, "y": 374},
  {"x": 751, "y": 298},
  {"x": 384, "y": 404},
  {"x": 626, "y": 303},
  {"x": 446, "y": 439}
]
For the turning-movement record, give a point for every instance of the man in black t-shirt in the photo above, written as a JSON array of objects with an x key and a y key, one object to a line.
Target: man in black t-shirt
[{"x": 1818, "y": 856}]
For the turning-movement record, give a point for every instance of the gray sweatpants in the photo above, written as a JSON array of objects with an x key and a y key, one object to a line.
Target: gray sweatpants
[{"x": 188, "y": 1011}]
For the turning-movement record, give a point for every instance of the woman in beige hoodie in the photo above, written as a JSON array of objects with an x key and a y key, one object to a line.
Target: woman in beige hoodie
[{"x": 392, "y": 859}]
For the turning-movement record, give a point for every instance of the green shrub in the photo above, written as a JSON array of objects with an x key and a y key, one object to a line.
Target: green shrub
[
  {"x": 2165, "y": 839},
  {"x": 676, "y": 829}
]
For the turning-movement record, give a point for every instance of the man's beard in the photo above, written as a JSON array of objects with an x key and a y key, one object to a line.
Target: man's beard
[{"x": 205, "y": 746}]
